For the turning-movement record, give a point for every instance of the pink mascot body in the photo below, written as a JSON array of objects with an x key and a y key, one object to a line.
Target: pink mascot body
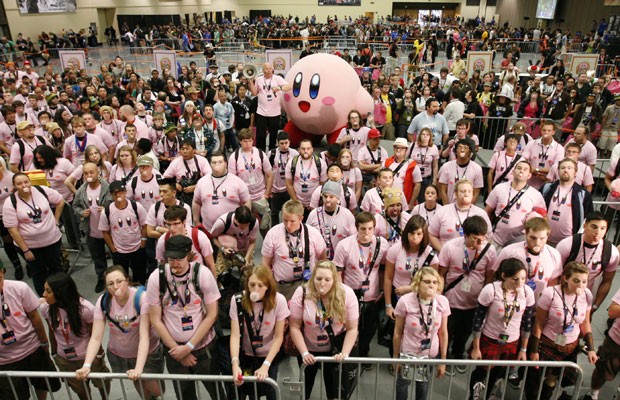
[{"x": 325, "y": 89}]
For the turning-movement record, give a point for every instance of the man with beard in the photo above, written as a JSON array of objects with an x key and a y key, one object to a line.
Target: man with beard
[
  {"x": 304, "y": 173},
  {"x": 509, "y": 203},
  {"x": 432, "y": 120},
  {"x": 567, "y": 202}
]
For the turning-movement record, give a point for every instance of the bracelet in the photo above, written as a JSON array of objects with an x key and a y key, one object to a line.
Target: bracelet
[
  {"x": 594, "y": 307},
  {"x": 388, "y": 306},
  {"x": 523, "y": 350},
  {"x": 44, "y": 344},
  {"x": 190, "y": 345},
  {"x": 267, "y": 363},
  {"x": 232, "y": 360},
  {"x": 25, "y": 251},
  {"x": 86, "y": 365},
  {"x": 144, "y": 239},
  {"x": 306, "y": 353}
]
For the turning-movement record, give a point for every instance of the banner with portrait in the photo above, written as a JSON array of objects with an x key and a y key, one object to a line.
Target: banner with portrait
[
  {"x": 340, "y": 2},
  {"x": 281, "y": 60},
  {"x": 46, "y": 6},
  {"x": 582, "y": 63},
  {"x": 75, "y": 58},
  {"x": 166, "y": 59},
  {"x": 479, "y": 60}
]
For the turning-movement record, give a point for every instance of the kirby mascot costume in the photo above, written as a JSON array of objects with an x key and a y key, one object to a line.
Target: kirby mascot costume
[{"x": 325, "y": 89}]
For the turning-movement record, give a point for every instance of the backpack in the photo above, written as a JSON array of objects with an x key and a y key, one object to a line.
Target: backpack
[
  {"x": 228, "y": 222},
  {"x": 317, "y": 161},
  {"x": 134, "y": 205},
  {"x": 105, "y": 307},
  {"x": 22, "y": 149},
  {"x": 576, "y": 245},
  {"x": 39, "y": 188},
  {"x": 261, "y": 154},
  {"x": 163, "y": 284},
  {"x": 195, "y": 230},
  {"x": 134, "y": 185},
  {"x": 347, "y": 196}
]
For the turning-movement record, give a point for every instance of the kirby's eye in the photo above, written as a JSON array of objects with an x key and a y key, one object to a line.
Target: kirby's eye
[
  {"x": 297, "y": 84},
  {"x": 315, "y": 83}
]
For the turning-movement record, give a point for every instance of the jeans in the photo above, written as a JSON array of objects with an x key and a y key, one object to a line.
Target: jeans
[
  {"x": 207, "y": 364},
  {"x": 231, "y": 139},
  {"x": 46, "y": 262},
  {"x": 264, "y": 126},
  {"x": 96, "y": 248},
  {"x": 403, "y": 383},
  {"x": 460, "y": 325},
  {"x": 277, "y": 201},
  {"x": 368, "y": 323},
  {"x": 136, "y": 262}
]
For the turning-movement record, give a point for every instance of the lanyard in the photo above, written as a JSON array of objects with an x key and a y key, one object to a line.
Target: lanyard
[
  {"x": 36, "y": 210},
  {"x": 469, "y": 266},
  {"x": 172, "y": 149},
  {"x": 80, "y": 144},
  {"x": 459, "y": 224},
  {"x": 428, "y": 214},
  {"x": 283, "y": 163},
  {"x": 303, "y": 173},
  {"x": 249, "y": 165},
  {"x": 365, "y": 266},
  {"x": 558, "y": 194},
  {"x": 592, "y": 260},
  {"x": 175, "y": 294},
  {"x": 423, "y": 157},
  {"x": 65, "y": 328},
  {"x": 573, "y": 313},
  {"x": 295, "y": 252},
  {"x": 215, "y": 188},
  {"x": 509, "y": 309},
  {"x": 532, "y": 273},
  {"x": 427, "y": 323},
  {"x": 6, "y": 312},
  {"x": 322, "y": 318},
  {"x": 327, "y": 230},
  {"x": 544, "y": 154},
  {"x": 464, "y": 172}
]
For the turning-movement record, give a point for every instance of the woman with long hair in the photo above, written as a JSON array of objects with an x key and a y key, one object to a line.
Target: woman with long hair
[
  {"x": 322, "y": 305},
  {"x": 186, "y": 120},
  {"x": 502, "y": 323},
  {"x": 125, "y": 167},
  {"x": 263, "y": 315},
  {"x": 424, "y": 311},
  {"x": 91, "y": 154},
  {"x": 429, "y": 207},
  {"x": 109, "y": 123},
  {"x": 562, "y": 317},
  {"x": 63, "y": 118},
  {"x": 70, "y": 321},
  {"x": 133, "y": 346},
  {"x": 352, "y": 175}
]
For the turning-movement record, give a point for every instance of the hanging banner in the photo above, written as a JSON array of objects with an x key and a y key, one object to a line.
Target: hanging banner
[
  {"x": 166, "y": 59},
  {"x": 281, "y": 60},
  {"x": 75, "y": 58}
]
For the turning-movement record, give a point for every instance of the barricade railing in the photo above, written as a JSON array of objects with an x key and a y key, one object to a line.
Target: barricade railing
[
  {"x": 421, "y": 372},
  {"x": 125, "y": 387}
]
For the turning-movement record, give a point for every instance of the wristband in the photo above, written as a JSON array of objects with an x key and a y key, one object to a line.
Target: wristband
[
  {"x": 144, "y": 239},
  {"x": 594, "y": 307},
  {"x": 267, "y": 363},
  {"x": 306, "y": 353},
  {"x": 232, "y": 360},
  {"x": 25, "y": 251},
  {"x": 44, "y": 344},
  {"x": 86, "y": 365},
  {"x": 523, "y": 350},
  {"x": 190, "y": 345},
  {"x": 388, "y": 306}
]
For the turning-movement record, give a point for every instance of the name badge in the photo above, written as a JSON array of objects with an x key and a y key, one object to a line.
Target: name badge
[
  {"x": 187, "y": 323},
  {"x": 8, "y": 338}
]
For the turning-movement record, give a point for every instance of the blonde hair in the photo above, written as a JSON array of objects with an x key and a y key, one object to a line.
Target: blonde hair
[
  {"x": 415, "y": 283},
  {"x": 335, "y": 306},
  {"x": 131, "y": 151},
  {"x": 294, "y": 207},
  {"x": 462, "y": 181}
]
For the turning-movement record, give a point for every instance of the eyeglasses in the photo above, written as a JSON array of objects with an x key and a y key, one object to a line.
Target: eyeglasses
[{"x": 117, "y": 282}]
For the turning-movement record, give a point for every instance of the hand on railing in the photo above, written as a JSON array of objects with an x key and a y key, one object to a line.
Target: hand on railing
[
  {"x": 441, "y": 371},
  {"x": 308, "y": 359},
  {"x": 82, "y": 373},
  {"x": 134, "y": 374}
]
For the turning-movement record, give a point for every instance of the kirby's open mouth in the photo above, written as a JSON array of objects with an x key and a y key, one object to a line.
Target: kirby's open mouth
[{"x": 304, "y": 106}]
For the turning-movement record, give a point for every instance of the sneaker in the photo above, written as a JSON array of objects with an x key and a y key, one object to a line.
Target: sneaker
[
  {"x": 498, "y": 390},
  {"x": 100, "y": 286},
  {"x": 478, "y": 391},
  {"x": 19, "y": 273}
]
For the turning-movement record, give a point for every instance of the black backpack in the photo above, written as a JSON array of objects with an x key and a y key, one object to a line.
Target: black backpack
[
  {"x": 22, "y": 149},
  {"x": 317, "y": 161},
  {"x": 39, "y": 188},
  {"x": 576, "y": 245},
  {"x": 134, "y": 205},
  {"x": 163, "y": 283},
  {"x": 105, "y": 307}
]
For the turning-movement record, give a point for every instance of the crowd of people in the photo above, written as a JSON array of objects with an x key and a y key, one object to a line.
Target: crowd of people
[{"x": 175, "y": 178}]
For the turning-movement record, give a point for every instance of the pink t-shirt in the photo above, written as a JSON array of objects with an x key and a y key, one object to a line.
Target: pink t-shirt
[
  {"x": 428, "y": 215},
  {"x": 562, "y": 224},
  {"x": 334, "y": 227},
  {"x": 141, "y": 128},
  {"x": 103, "y": 172},
  {"x": 614, "y": 331},
  {"x": 399, "y": 177},
  {"x": 315, "y": 200},
  {"x": 541, "y": 156},
  {"x": 583, "y": 177},
  {"x": 266, "y": 327},
  {"x": 268, "y": 103},
  {"x": 243, "y": 236},
  {"x": 123, "y": 143},
  {"x": 592, "y": 258},
  {"x": 316, "y": 339},
  {"x": 251, "y": 170},
  {"x": 275, "y": 245},
  {"x": 588, "y": 153},
  {"x": 27, "y": 160},
  {"x": 93, "y": 220},
  {"x": 450, "y": 173},
  {"x": 351, "y": 177},
  {"x": 499, "y": 162},
  {"x": 384, "y": 229},
  {"x": 124, "y": 226},
  {"x": 65, "y": 336},
  {"x": 172, "y": 314},
  {"x": 540, "y": 268},
  {"x": 410, "y": 308},
  {"x": 122, "y": 344},
  {"x": 359, "y": 138},
  {"x": 105, "y": 137},
  {"x": 7, "y": 134},
  {"x": 448, "y": 221},
  {"x": 512, "y": 225},
  {"x": 611, "y": 171},
  {"x": 564, "y": 315},
  {"x": 306, "y": 178},
  {"x": 491, "y": 296},
  {"x": 355, "y": 273},
  {"x": 145, "y": 193},
  {"x": 59, "y": 175},
  {"x": 158, "y": 220},
  {"x": 280, "y": 160},
  {"x": 74, "y": 150},
  {"x": 407, "y": 264},
  {"x": 180, "y": 168},
  {"x": 118, "y": 173},
  {"x": 371, "y": 157},
  {"x": 36, "y": 234},
  {"x": 373, "y": 202},
  {"x": 424, "y": 157},
  {"x": 201, "y": 251},
  {"x": 113, "y": 128},
  {"x": 21, "y": 300},
  {"x": 217, "y": 196},
  {"x": 464, "y": 296},
  {"x": 6, "y": 186}
]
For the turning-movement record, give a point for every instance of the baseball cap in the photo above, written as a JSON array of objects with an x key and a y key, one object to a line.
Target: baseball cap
[
  {"x": 24, "y": 125},
  {"x": 145, "y": 161},
  {"x": 117, "y": 186},
  {"x": 401, "y": 142},
  {"x": 374, "y": 134},
  {"x": 178, "y": 246}
]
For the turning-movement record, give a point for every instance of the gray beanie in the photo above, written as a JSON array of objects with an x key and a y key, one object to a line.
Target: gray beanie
[{"x": 331, "y": 187}]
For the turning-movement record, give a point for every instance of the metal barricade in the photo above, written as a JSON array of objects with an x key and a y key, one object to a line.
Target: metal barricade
[
  {"x": 453, "y": 385},
  {"x": 124, "y": 388}
]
